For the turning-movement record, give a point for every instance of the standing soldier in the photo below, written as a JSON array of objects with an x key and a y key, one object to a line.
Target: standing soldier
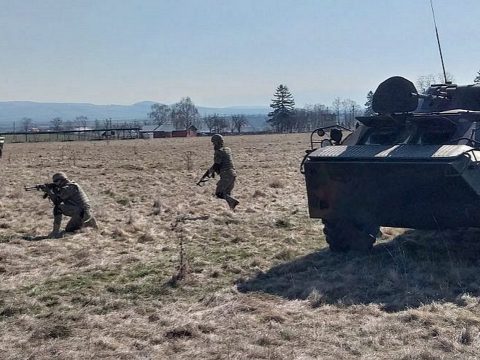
[
  {"x": 2, "y": 140},
  {"x": 70, "y": 200},
  {"x": 223, "y": 165}
]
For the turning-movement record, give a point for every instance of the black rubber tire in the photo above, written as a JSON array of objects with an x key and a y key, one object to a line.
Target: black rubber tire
[{"x": 343, "y": 235}]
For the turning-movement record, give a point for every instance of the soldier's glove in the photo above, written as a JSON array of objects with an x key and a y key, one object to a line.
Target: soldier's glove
[{"x": 216, "y": 168}]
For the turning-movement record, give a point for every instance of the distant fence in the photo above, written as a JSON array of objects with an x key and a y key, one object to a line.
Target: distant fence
[{"x": 72, "y": 135}]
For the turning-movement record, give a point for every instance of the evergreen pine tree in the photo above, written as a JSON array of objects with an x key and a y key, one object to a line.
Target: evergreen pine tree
[
  {"x": 283, "y": 105},
  {"x": 477, "y": 78}
]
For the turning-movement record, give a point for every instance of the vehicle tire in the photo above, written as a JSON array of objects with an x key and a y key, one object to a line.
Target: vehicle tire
[{"x": 343, "y": 235}]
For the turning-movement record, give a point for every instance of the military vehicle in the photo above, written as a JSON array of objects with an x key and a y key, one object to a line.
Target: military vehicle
[{"x": 414, "y": 164}]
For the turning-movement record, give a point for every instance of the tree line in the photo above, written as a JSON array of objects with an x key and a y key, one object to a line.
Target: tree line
[
  {"x": 79, "y": 123},
  {"x": 184, "y": 114},
  {"x": 163, "y": 114},
  {"x": 284, "y": 117}
]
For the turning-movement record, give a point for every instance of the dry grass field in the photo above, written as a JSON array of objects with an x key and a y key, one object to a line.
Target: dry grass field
[{"x": 257, "y": 283}]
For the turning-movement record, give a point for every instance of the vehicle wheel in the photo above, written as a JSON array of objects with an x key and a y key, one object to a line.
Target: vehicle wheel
[{"x": 343, "y": 235}]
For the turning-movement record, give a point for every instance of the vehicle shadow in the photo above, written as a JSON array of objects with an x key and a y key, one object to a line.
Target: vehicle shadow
[{"x": 415, "y": 268}]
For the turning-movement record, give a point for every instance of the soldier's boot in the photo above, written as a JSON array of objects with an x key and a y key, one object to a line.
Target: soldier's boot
[
  {"x": 91, "y": 222},
  {"x": 56, "y": 233},
  {"x": 232, "y": 202},
  {"x": 75, "y": 223}
]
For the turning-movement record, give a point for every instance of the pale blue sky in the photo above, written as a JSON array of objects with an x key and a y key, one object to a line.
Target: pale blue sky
[{"x": 226, "y": 53}]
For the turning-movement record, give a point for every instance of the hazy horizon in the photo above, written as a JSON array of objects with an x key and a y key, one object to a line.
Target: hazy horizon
[{"x": 132, "y": 104}]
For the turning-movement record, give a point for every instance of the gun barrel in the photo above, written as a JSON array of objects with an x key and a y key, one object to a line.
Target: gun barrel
[{"x": 37, "y": 187}]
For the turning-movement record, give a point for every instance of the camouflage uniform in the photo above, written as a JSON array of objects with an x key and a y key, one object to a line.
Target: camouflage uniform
[
  {"x": 223, "y": 165},
  {"x": 2, "y": 140},
  {"x": 71, "y": 201}
]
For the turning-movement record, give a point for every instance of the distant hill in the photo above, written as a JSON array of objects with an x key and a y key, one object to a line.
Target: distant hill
[{"x": 42, "y": 113}]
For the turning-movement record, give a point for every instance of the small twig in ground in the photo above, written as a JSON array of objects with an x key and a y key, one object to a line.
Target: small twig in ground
[
  {"x": 74, "y": 158},
  {"x": 188, "y": 159},
  {"x": 183, "y": 267},
  {"x": 157, "y": 207}
]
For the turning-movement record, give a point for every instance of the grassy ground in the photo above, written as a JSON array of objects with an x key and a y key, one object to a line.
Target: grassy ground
[{"x": 255, "y": 283}]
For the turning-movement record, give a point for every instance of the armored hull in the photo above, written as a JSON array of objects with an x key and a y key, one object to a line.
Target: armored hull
[{"x": 412, "y": 186}]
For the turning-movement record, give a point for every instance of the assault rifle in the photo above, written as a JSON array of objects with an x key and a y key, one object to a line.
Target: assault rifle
[
  {"x": 50, "y": 190},
  {"x": 208, "y": 174}
]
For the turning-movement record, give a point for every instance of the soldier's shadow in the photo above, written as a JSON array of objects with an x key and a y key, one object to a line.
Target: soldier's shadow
[
  {"x": 415, "y": 268},
  {"x": 35, "y": 238}
]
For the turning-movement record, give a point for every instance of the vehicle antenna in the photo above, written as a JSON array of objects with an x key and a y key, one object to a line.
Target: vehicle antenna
[{"x": 438, "y": 41}]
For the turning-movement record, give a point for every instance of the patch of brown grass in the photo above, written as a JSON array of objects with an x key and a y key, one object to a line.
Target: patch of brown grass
[
  {"x": 260, "y": 282},
  {"x": 276, "y": 184}
]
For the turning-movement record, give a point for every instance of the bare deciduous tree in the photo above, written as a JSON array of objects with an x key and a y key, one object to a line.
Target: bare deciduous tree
[
  {"x": 336, "y": 105},
  {"x": 26, "y": 123},
  {"x": 184, "y": 114},
  {"x": 68, "y": 125},
  {"x": 238, "y": 121},
  {"x": 424, "y": 81},
  {"x": 107, "y": 123},
  {"x": 221, "y": 124},
  {"x": 56, "y": 124},
  {"x": 81, "y": 121},
  {"x": 350, "y": 109},
  {"x": 210, "y": 121},
  {"x": 159, "y": 114}
]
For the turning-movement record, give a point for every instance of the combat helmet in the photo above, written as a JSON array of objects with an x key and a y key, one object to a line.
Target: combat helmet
[
  {"x": 217, "y": 139},
  {"x": 59, "y": 176}
]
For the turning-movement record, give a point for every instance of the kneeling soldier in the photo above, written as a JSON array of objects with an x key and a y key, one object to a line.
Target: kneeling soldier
[{"x": 71, "y": 201}]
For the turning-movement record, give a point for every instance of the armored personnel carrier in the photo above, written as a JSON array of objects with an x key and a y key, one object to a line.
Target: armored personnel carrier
[{"x": 414, "y": 164}]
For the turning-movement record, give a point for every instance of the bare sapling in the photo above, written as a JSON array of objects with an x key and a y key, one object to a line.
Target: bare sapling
[
  {"x": 183, "y": 267},
  {"x": 188, "y": 160}
]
